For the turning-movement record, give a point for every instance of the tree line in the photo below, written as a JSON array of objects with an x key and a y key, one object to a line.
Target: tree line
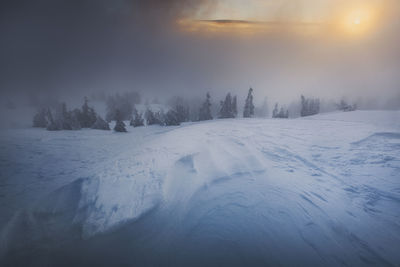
[{"x": 122, "y": 108}]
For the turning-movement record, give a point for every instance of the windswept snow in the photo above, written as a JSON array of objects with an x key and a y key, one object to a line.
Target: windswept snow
[{"x": 320, "y": 190}]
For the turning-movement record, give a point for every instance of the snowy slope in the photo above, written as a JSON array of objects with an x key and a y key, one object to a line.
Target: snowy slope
[{"x": 317, "y": 190}]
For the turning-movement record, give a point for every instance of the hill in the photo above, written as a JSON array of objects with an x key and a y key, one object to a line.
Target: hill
[{"x": 321, "y": 190}]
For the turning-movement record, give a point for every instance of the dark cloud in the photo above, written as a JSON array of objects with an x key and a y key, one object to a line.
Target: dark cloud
[{"x": 50, "y": 44}]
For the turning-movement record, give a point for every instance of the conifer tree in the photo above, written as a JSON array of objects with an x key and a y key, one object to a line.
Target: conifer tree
[
  {"x": 137, "y": 119},
  {"x": 181, "y": 109},
  {"x": 150, "y": 117},
  {"x": 205, "y": 110},
  {"x": 282, "y": 114},
  {"x": 58, "y": 122},
  {"x": 249, "y": 106},
  {"x": 344, "y": 106},
  {"x": 52, "y": 125},
  {"x": 119, "y": 124},
  {"x": 160, "y": 117},
  {"x": 100, "y": 124},
  {"x": 172, "y": 118},
  {"x": 226, "y": 108},
  {"x": 275, "y": 111},
  {"x": 88, "y": 116},
  {"x": 309, "y": 106}
]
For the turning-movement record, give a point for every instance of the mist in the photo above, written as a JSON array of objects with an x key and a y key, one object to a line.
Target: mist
[{"x": 68, "y": 49}]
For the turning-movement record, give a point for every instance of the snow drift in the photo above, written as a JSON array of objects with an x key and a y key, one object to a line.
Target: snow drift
[{"x": 320, "y": 190}]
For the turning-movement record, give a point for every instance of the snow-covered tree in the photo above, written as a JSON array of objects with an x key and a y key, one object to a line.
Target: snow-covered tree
[
  {"x": 249, "y": 106},
  {"x": 119, "y": 124},
  {"x": 226, "y": 110},
  {"x": 275, "y": 111},
  {"x": 172, "y": 118},
  {"x": 68, "y": 119},
  {"x": 344, "y": 106},
  {"x": 205, "y": 110},
  {"x": 100, "y": 124},
  {"x": 309, "y": 106},
  {"x": 137, "y": 119},
  {"x": 88, "y": 116},
  {"x": 181, "y": 109},
  {"x": 160, "y": 117},
  {"x": 51, "y": 125},
  {"x": 61, "y": 119},
  {"x": 150, "y": 117},
  {"x": 281, "y": 114},
  {"x": 154, "y": 118}
]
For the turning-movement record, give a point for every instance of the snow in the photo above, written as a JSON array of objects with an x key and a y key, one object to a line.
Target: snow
[{"x": 319, "y": 190}]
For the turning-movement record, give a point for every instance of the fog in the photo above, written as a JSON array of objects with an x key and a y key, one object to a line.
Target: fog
[{"x": 67, "y": 49}]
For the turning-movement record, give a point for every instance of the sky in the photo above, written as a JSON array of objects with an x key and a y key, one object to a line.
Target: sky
[{"x": 281, "y": 48}]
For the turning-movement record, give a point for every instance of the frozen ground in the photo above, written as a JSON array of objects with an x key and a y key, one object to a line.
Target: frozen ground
[{"x": 323, "y": 190}]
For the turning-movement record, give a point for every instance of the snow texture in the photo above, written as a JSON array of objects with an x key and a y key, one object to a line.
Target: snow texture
[{"x": 321, "y": 190}]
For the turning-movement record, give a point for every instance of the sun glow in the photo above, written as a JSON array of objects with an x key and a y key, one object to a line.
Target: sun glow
[
  {"x": 358, "y": 20},
  {"x": 339, "y": 19}
]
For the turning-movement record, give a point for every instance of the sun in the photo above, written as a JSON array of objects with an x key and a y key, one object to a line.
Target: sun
[{"x": 358, "y": 20}]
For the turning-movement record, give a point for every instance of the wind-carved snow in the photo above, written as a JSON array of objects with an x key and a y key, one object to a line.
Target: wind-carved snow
[
  {"x": 318, "y": 190},
  {"x": 171, "y": 170}
]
